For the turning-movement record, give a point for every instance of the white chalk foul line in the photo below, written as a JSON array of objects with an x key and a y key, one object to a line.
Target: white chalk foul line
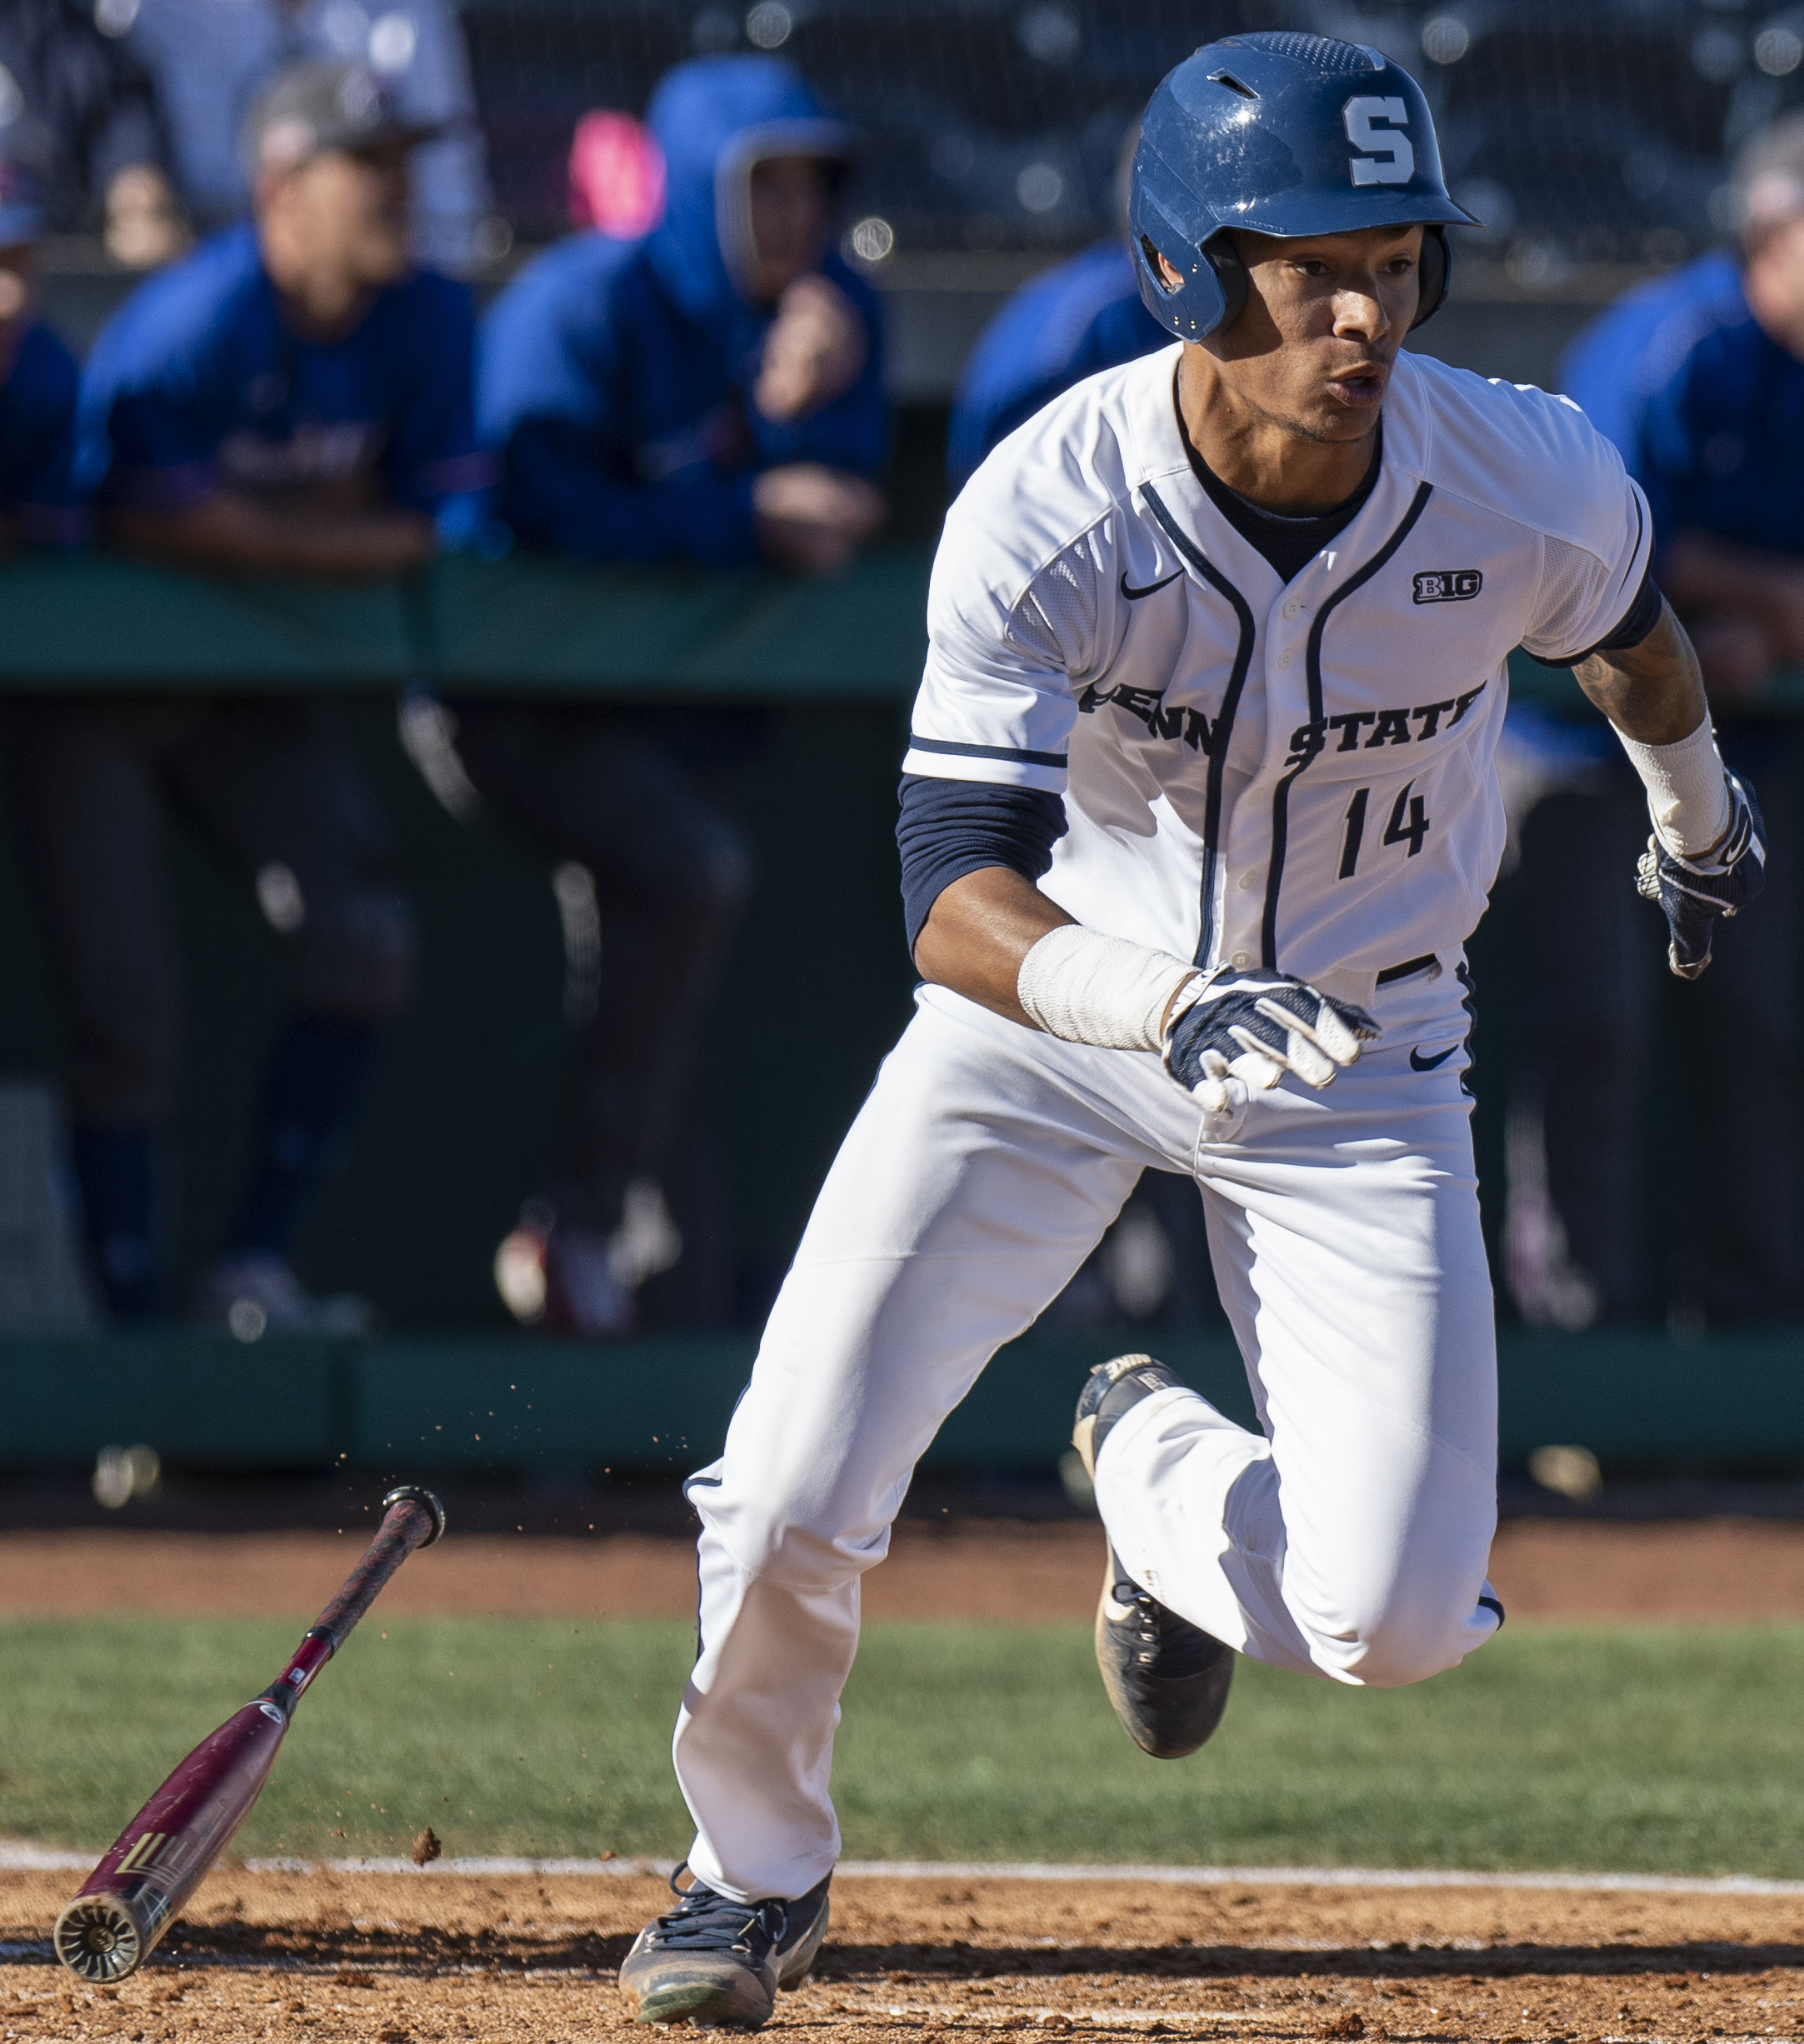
[
  {"x": 17, "y": 1855},
  {"x": 1322, "y": 1877},
  {"x": 501, "y": 1866}
]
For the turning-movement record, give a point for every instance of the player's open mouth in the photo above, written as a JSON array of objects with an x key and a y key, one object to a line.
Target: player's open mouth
[{"x": 1359, "y": 387}]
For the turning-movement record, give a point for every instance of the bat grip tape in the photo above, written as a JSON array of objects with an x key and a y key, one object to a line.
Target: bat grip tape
[{"x": 413, "y": 1518}]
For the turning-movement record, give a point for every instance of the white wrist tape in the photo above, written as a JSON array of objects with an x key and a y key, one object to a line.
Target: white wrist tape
[
  {"x": 1089, "y": 988},
  {"x": 1687, "y": 792}
]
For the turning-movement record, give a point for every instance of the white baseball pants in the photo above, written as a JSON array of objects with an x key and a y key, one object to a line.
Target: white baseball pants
[{"x": 1348, "y": 1539}]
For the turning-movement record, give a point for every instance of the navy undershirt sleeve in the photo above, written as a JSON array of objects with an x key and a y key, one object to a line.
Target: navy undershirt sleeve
[
  {"x": 1640, "y": 617},
  {"x": 1643, "y": 615},
  {"x": 949, "y": 828}
]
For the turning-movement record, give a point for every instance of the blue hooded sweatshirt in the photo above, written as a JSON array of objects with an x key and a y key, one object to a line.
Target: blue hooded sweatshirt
[
  {"x": 614, "y": 376},
  {"x": 1083, "y": 317},
  {"x": 1705, "y": 407}
]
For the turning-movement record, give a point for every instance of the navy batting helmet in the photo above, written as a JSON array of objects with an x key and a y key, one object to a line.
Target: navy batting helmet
[{"x": 1288, "y": 134}]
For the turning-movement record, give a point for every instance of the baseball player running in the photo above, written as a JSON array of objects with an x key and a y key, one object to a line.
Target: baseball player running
[{"x": 1199, "y": 811}]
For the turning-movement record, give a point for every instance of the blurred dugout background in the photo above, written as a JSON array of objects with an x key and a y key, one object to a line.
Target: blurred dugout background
[
  {"x": 1581, "y": 133},
  {"x": 1593, "y": 139}
]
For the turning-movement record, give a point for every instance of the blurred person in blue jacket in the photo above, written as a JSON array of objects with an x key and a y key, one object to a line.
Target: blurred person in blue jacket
[
  {"x": 40, "y": 505},
  {"x": 710, "y": 391},
  {"x": 1698, "y": 377},
  {"x": 1082, "y": 318},
  {"x": 1073, "y": 321},
  {"x": 292, "y": 398}
]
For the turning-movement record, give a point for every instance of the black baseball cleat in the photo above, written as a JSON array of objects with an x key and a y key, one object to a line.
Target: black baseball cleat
[
  {"x": 717, "y": 1963},
  {"x": 1168, "y": 1678},
  {"x": 1111, "y": 1391}
]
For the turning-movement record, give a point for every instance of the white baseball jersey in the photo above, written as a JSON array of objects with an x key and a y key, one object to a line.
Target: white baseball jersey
[
  {"x": 1300, "y": 774},
  {"x": 1297, "y": 775}
]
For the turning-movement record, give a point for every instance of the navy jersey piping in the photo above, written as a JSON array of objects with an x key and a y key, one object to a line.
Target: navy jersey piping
[
  {"x": 1224, "y": 723},
  {"x": 1281, "y": 796},
  {"x": 1574, "y": 659},
  {"x": 988, "y": 752},
  {"x": 1640, "y": 527}
]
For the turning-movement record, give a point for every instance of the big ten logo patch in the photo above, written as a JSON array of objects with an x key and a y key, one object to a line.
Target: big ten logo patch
[{"x": 1448, "y": 585}]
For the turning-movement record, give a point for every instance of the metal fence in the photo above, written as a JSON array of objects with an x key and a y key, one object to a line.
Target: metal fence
[{"x": 1580, "y": 131}]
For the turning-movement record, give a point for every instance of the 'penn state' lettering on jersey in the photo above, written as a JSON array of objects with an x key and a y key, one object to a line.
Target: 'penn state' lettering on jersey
[
  {"x": 1389, "y": 727},
  {"x": 1185, "y": 722},
  {"x": 1294, "y": 774},
  {"x": 1146, "y": 706}
]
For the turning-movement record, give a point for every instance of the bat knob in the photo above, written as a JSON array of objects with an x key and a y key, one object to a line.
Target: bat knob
[
  {"x": 97, "y": 1938},
  {"x": 417, "y": 1494}
]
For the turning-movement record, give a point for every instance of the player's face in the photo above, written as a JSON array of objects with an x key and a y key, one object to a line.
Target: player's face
[
  {"x": 350, "y": 212},
  {"x": 1775, "y": 284},
  {"x": 1323, "y": 321},
  {"x": 18, "y": 294},
  {"x": 792, "y": 217},
  {"x": 16, "y": 290}
]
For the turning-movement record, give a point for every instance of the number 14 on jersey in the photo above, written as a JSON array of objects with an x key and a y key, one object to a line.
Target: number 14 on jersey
[{"x": 1408, "y": 825}]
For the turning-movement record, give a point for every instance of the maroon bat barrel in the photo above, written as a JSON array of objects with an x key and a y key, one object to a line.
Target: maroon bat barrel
[{"x": 160, "y": 1858}]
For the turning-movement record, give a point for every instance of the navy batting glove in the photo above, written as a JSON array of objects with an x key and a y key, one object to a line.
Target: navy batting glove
[
  {"x": 1695, "y": 891},
  {"x": 1255, "y": 1026}
]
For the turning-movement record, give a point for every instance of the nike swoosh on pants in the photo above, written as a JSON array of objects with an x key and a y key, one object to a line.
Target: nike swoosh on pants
[{"x": 1418, "y": 1063}]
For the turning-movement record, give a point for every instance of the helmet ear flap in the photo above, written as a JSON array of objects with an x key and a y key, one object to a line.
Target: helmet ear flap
[
  {"x": 1157, "y": 226},
  {"x": 1436, "y": 272}
]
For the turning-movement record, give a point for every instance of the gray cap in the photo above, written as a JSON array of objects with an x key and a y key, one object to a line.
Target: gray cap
[{"x": 311, "y": 107}]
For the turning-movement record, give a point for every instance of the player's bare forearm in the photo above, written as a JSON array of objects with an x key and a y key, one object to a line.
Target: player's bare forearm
[
  {"x": 1654, "y": 691},
  {"x": 237, "y": 533},
  {"x": 978, "y": 932}
]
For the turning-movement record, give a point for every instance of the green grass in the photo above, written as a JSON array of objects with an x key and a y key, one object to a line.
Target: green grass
[{"x": 1652, "y": 1748}]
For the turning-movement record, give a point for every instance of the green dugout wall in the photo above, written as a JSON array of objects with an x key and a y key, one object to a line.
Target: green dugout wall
[{"x": 469, "y": 1085}]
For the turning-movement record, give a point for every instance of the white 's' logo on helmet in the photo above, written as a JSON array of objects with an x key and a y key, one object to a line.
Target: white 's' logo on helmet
[{"x": 1392, "y": 160}]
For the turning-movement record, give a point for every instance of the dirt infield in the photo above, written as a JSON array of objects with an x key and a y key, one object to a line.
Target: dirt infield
[
  {"x": 414, "y": 1961},
  {"x": 1694, "y": 1570}
]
